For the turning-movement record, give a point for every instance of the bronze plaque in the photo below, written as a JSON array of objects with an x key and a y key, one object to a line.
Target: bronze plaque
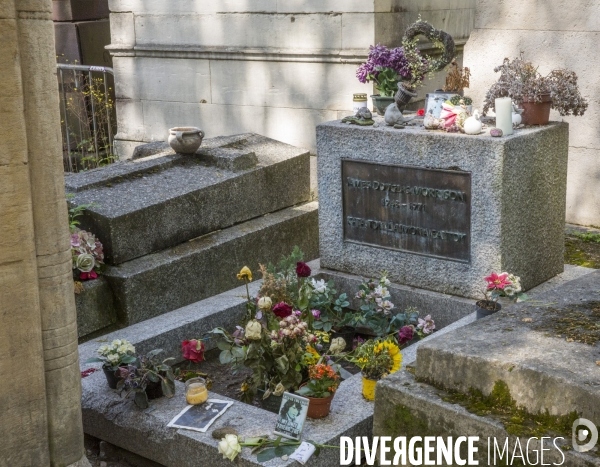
[{"x": 412, "y": 209}]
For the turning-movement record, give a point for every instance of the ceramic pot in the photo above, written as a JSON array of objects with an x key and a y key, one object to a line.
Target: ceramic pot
[
  {"x": 403, "y": 96},
  {"x": 368, "y": 388},
  {"x": 381, "y": 103},
  {"x": 271, "y": 403},
  {"x": 483, "y": 312},
  {"x": 347, "y": 333},
  {"x": 111, "y": 377},
  {"x": 154, "y": 390},
  {"x": 537, "y": 113},
  {"x": 318, "y": 407},
  {"x": 185, "y": 139}
]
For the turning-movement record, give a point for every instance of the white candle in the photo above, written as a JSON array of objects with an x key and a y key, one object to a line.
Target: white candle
[{"x": 504, "y": 115}]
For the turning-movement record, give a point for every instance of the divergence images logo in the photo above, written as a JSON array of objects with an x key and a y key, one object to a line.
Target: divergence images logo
[{"x": 582, "y": 434}]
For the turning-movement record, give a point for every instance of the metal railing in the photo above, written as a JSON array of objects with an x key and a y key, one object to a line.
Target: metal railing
[{"x": 86, "y": 111}]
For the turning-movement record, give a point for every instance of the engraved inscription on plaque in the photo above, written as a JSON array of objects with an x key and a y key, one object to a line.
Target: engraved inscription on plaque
[{"x": 417, "y": 210}]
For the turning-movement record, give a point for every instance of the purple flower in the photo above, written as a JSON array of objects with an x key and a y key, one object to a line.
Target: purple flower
[
  {"x": 316, "y": 314},
  {"x": 405, "y": 334},
  {"x": 426, "y": 325}
]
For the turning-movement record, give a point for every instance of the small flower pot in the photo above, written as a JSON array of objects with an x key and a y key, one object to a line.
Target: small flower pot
[
  {"x": 319, "y": 407},
  {"x": 271, "y": 403},
  {"x": 347, "y": 333},
  {"x": 111, "y": 377},
  {"x": 185, "y": 139},
  {"x": 381, "y": 103},
  {"x": 368, "y": 388},
  {"x": 536, "y": 113},
  {"x": 484, "y": 308},
  {"x": 154, "y": 390}
]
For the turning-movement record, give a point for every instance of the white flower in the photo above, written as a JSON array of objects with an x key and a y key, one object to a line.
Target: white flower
[
  {"x": 387, "y": 307},
  {"x": 113, "y": 358},
  {"x": 230, "y": 447},
  {"x": 116, "y": 343},
  {"x": 319, "y": 286},
  {"x": 265, "y": 303},
  {"x": 103, "y": 349},
  {"x": 85, "y": 262},
  {"x": 253, "y": 330},
  {"x": 384, "y": 281},
  {"x": 381, "y": 291},
  {"x": 337, "y": 345}
]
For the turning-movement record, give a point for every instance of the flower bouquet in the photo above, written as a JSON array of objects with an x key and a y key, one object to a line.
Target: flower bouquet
[
  {"x": 499, "y": 285},
  {"x": 320, "y": 389},
  {"x": 112, "y": 356},
  {"x": 376, "y": 359},
  {"x": 88, "y": 255}
]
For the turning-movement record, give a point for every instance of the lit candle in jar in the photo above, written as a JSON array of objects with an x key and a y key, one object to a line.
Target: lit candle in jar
[
  {"x": 504, "y": 110},
  {"x": 196, "y": 391}
]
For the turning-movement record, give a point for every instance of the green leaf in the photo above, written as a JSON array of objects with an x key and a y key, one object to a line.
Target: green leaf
[
  {"x": 153, "y": 377},
  {"x": 238, "y": 352},
  {"x": 141, "y": 399},
  {"x": 168, "y": 388},
  {"x": 94, "y": 360},
  {"x": 304, "y": 391},
  {"x": 222, "y": 345},
  {"x": 327, "y": 327},
  {"x": 225, "y": 357},
  {"x": 128, "y": 359},
  {"x": 266, "y": 455},
  {"x": 153, "y": 353},
  {"x": 282, "y": 363}
]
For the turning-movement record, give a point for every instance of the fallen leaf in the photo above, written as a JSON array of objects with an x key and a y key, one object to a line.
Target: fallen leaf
[
  {"x": 527, "y": 320},
  {"x": 78, "y": 287},
  {"x": 598, "y": 363}
]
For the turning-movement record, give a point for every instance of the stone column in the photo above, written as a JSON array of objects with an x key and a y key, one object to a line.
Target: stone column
[{"x": 38, "y": 319}]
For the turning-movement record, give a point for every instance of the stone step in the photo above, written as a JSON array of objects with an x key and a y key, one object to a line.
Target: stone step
[
  {"x": 406, "y": 407},
  {"x": 149, "y": 204},
  {"x": 534, "y": 347},
  {"x": 160, "y": 282}
]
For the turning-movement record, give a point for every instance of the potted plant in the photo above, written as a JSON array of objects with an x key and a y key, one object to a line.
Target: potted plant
[
  {"x": 536, "y": 94},
  {"x": 376, "y": 359},
  {"x": 147, "y": 378},
  {"x": 112, "y": 356},
  {"x": 320, "y": 389},
  {"x": 499, "y": 285},
  {"x": 387, "y": 67}
]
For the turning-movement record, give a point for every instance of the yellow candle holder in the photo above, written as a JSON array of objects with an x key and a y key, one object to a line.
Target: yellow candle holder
[{"x": 196, "y": 391}]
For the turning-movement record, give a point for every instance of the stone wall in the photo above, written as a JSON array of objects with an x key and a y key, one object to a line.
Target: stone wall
[
  {"x": 273, "y": 67},
  {"x": 553, "y": 34}
]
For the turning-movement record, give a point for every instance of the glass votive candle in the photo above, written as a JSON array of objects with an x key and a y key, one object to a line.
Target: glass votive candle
[{"x": 196, "y": 391}]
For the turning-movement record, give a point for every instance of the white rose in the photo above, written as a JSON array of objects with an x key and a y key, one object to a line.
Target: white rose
[
  {"x": 319, "y": 286},
  {"x": 265, "y": 303},
  {"x": 253, "y": 330},
  {"x": 229, "y": 447},
  {"x": 337, "y": 345},
  {"x": 85, "y": 262}
]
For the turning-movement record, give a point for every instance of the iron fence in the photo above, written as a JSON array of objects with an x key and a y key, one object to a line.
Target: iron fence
[{"x": 88, "y": 115}]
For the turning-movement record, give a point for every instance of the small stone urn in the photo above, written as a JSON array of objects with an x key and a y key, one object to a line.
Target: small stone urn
[{"x": 185, "y": 139}]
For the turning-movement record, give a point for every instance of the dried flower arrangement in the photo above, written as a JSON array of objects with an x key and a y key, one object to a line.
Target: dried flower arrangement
[
  {"x": 458, "y": 78},
  {"x": 522, "y": 82}
]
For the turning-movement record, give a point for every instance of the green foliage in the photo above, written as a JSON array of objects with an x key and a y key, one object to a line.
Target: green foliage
[
  {"x": 455, "y": 100},
  {"x": 591, "y": 237},
  {"x": 76, "y": 211},
  {"x": 147, "y": 369},
  {"x": 386, "y": 82}
]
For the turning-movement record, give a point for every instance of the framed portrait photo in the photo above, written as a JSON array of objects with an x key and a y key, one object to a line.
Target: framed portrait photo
[
  {"x": 292, "y": 415},
  {"x": 200, "y": 417}
]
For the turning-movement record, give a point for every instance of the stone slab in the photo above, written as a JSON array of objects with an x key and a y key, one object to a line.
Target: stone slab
[
  {"x": 95, "y": 307},
  {"x": 147, "y": 205},
  {"x": 544, "y": 369},
  {"x": 160, "y": 282},
  {"x": 405, "y": 407},
  {"x": 512, "y": 228}
]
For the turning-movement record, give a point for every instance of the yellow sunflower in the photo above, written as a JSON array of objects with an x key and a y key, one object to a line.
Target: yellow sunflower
[{"x": 394, "y": 352}]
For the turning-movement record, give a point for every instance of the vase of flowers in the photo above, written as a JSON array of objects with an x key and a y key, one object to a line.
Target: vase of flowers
[
  {"x": 147, "y": 378},
  {"x": 376, "y": 359},
  {"x": 536, "y": 94},
  {"x": 499, "y": 285},
  {"x": 320, "y": 389},
  {"x": 388, "y": 67},
  {"x": 117, "y": 354}
]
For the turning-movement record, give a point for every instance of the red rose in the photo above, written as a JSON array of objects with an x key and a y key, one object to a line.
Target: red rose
[
  {"x": 302, "y": 269},
  {"x": 282, "y": 310},
  {"x": 421, "y": 112},
  {"x": 193, "y": 350}
]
